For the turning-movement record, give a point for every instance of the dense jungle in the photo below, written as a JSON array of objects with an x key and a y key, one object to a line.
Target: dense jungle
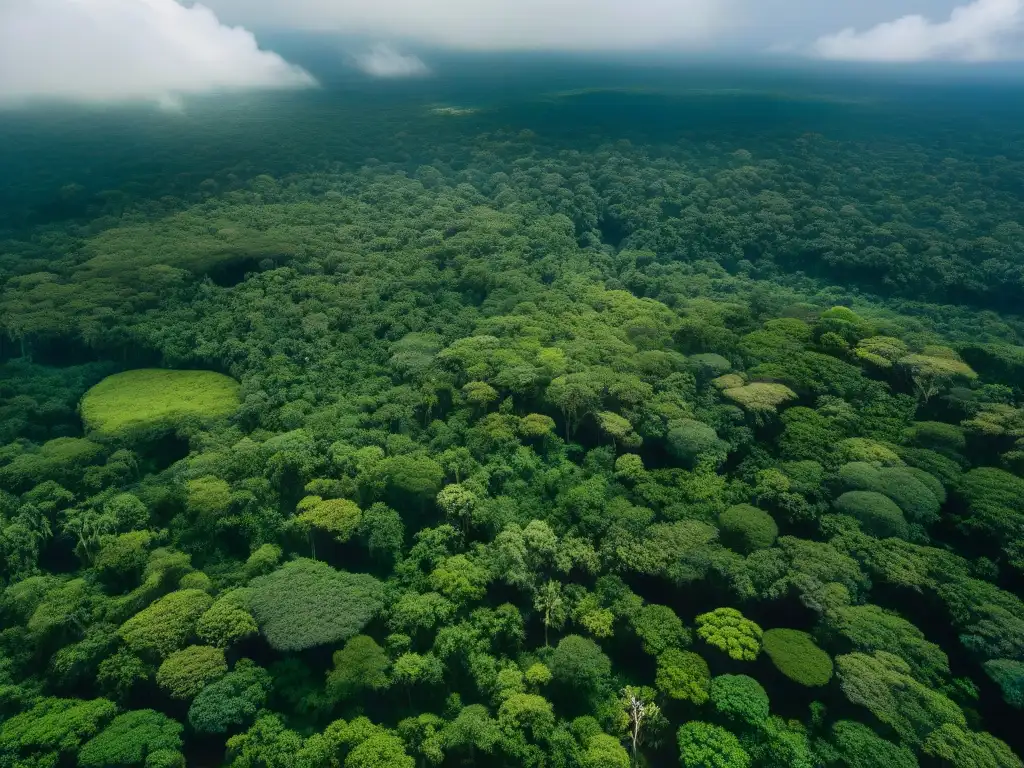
[{"x": 531, "y": 414}]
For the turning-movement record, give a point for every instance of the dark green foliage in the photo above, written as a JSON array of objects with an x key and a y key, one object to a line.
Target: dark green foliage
[
  {"x": 945, "y": 469},
  {"x": 132, "y": 739},
  {"x": 121, "y": 559},
  {"x": 930, "y": 481},
  {"x": 740, "y": 698},
  {"x": 746, "y": 528},
  {"x": 384, "y": 532},
  {"x": 361, "y": 665},
  {"x": 995, "y": 509},
  {"x": 62, "y": 460},
  {"x": 119, "y": 674},
  {"x": 883, "y": 683},
  {"x": 227, "y": 621},
  {"x": 306, "y": 603},
  {"x": 947, "y": 439},
  {"x": 708, "y": 365},
  {"x": 689, "y": 439},
  {"x": 683, "y": 675},
  {"x": 81, "y": 660},
  {"x": 703, "y": 745},
  {"x": 267, "y": 744},
  {"x": 795, "y": 654},
  {"x": 990, "y": 620},
  {"x": 878, "y": 514},
  {"x": 1009, "y": 675},
  {"x": 263, "y": 560},
  {"x": 185, "y": 673},
  {"x": 42, "y": 400},
  {"x": 536, "y": 388},
  {"x": 960, "y": 748},
  {"x": 167, "y": 624},
  {"x": 604, "y": 751},
  {"x": 231, "y": 701},
  {"x": 579, "y": 662},
  {"x": 808, "y": 435},
  {"x": 659, "y": 629},
  {"x": 54, "y": 726},
  {"x": 870, "y": 628},
  {"x": 860, "y": 747},
  {"x": 916, "y": 498}
]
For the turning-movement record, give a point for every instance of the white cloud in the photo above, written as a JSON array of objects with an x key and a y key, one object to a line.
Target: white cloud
[
  {"x": 112, "y": 50},
  {"x": 384, "y": 61},
  {"x": 502, "y": 24},
  {"x": 979, "y": 31}
]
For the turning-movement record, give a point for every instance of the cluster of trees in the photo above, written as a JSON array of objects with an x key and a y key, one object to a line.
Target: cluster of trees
[{"x": 493, "y": 489}]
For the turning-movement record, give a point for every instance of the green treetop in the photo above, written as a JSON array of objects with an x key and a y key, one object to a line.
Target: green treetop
[
  {"x": 746, "y": 528},
  {"x": 140, "y": 737},
  {"x": 156, "y": 398},
  {"x": 186, "y": 672},
  {"x": 703, "y": 745},
  {"x": 306, "y": 603},
  {"x": 739, "y": 698},
  {"x": 167, "y": 624},
  {"x": 231, "y": 701},
  {"x": 683, "y": 675},
  {"x": 795, "y": 654},
  {"x": 727, "y": 630}
]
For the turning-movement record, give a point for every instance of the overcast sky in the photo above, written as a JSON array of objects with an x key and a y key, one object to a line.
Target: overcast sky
[
  {"x": 587, "y": 24},
  {"x": 161, "y": 50}
]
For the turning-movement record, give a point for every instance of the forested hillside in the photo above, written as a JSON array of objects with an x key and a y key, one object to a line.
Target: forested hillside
[{"x": 464, "y": 437}]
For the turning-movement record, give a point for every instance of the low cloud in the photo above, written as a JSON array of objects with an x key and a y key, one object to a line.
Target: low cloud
[
  {"x": 980, "y": 31},
  {"x": 384, "y": 61},
  {"x": 118, "y": 50},
  {"x": 502, "y": 24}
]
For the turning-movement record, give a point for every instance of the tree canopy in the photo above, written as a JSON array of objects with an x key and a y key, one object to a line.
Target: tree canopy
[
  {"x": 306, "y": 603},
  {"x": 678, "y": 420},
  {"x": 796, "y": 656},
  {"x": 150, "y": 398}
]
